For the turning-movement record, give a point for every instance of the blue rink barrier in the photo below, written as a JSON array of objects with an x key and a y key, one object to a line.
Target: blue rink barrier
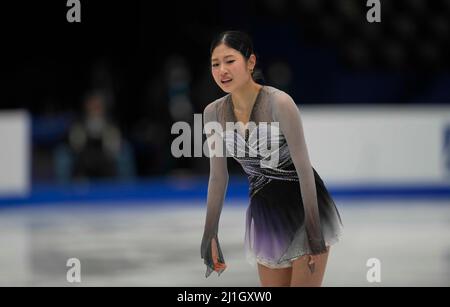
[{"x": 156, "y": 190}]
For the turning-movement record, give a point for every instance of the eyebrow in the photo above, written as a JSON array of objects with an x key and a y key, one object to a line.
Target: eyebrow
[{"x": 215, "y": 59}]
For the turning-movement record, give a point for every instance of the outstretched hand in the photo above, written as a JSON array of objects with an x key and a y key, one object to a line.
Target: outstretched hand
[{"x": 218, "y": 266}]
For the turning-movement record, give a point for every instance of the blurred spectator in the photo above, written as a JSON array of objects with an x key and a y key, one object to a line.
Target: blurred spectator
[
  {"x": 178, "y": 82},
  {"x": 95, "y": 141},
  {"x": 168, "y": 99}
]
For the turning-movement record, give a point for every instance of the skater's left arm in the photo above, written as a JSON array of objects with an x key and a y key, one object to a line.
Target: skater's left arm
[{"x": 288, "y": 115}]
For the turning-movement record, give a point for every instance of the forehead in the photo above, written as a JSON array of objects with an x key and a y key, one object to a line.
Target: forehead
[{"x": 223, "y": 51}]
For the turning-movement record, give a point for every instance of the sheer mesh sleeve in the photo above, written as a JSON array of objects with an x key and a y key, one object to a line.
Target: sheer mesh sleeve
[
  {"x": 217, "y": 186},
  {"x": 287, "y": 114}
]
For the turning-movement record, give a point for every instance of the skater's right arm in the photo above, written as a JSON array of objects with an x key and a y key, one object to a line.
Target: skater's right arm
[{"x": 217, "y": 186}]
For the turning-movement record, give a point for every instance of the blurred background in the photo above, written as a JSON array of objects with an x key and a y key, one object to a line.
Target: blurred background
[{"x": 86, "y": 111}]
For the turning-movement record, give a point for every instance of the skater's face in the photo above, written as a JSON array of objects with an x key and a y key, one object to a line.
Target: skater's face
[{"x": 230, "y": 69}]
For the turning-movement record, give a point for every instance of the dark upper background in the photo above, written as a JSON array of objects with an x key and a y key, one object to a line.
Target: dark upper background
[{"x": 150, "y": 61}]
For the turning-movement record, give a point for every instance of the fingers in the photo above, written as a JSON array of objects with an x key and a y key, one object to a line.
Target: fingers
[
  {"x": 311, "y": 263},
  {"x": 312, "y": 259},
  {"x": 218, "y": 266},
  {"x": 312, "y": 267}
]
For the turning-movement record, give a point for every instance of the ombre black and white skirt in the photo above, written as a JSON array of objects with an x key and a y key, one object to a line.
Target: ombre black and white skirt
[{"x": 275, "y": 234}]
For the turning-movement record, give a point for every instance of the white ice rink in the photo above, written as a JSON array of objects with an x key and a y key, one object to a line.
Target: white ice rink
[{"x": 159, "y": 245}]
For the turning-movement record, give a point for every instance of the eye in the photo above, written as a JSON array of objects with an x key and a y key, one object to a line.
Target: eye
[
  {"x": 215, "y": 65},
  {"x": 231, "y": 61}
]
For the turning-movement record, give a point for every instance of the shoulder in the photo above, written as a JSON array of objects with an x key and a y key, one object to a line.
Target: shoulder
[
  {"x": 281, "y": 101},
  {"x": 211, "y": 109}
]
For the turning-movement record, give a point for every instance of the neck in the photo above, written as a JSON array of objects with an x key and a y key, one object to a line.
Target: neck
[{"x": 244, "y": 97}]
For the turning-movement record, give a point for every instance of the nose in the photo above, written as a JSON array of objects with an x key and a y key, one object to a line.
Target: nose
[{"x": 222, "y": 69}]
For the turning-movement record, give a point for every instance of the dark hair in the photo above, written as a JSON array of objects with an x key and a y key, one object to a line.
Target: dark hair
[{"x": 241, "y": 42}]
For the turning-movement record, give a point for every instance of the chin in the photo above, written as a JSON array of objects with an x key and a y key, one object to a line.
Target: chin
[
  {"x": 226, "y": 89},
  {"x": 230, "y": 89}
]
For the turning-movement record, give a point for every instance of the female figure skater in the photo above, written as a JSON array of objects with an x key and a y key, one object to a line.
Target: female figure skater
[{"x": 291, "y": 221}]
